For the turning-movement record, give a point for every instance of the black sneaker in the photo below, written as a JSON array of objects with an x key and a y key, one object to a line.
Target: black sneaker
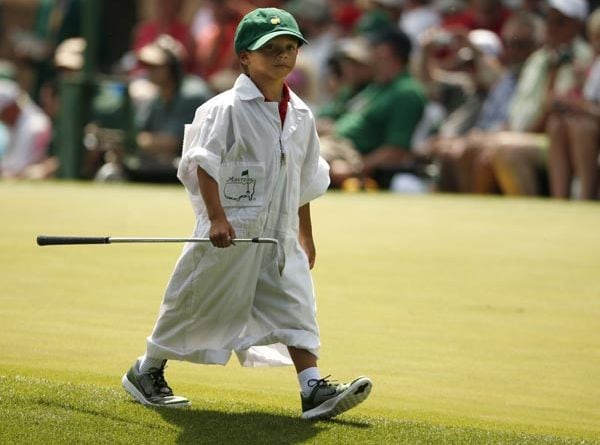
[
  {"x": 328, "y": 399},
  {"x": 150, "y": 388}
]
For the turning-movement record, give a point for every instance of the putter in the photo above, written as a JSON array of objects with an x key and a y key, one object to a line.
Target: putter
[{"x": 47, "y": 240}]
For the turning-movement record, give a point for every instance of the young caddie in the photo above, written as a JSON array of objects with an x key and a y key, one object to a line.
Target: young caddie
[{"x": 251, "y": 166}]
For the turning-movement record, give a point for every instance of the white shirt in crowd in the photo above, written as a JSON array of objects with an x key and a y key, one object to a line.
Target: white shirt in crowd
[{"x": 28, "y": 140}]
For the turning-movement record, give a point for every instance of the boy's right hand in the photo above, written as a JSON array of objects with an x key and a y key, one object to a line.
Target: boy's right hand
[{"x": 222, "y": 233}]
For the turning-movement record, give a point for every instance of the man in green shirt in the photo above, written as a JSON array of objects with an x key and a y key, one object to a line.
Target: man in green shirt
[{"x": 376, "y": 132}]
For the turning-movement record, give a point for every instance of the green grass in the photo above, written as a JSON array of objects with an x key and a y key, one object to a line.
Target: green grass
[{"x": 477, "y": 318}]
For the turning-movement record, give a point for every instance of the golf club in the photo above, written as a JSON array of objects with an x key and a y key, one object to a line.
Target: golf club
[{"x": 46, "y": 240}]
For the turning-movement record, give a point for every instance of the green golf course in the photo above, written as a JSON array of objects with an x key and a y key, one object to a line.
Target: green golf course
[{"x": 477, "y": 318}]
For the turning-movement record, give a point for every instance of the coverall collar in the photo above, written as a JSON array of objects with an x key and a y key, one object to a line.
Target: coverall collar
[{"x": 247, "y": 90}]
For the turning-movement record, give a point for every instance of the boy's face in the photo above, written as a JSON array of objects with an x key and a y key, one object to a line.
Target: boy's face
[{"x": 275, "y": 60}]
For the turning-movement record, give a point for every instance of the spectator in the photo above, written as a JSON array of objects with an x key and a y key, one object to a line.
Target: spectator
[
  {"x": 161, "y": 133},
  {"x": 55, "y": 21},
  {"x": 418, "y": 16},
  {"x": 551, "y": 68},
  {"x": 456, "y": 66},
  {"x": 58, "y": 20},
  {"x": 29, "y": 129},
  {"x": 305, "y": 82},
  {"x": 314, "y": 19},
  {"x": 536, "y": 7},
  {"x": 472, "y": 67},
  {"x": 214, "y": 40},
  {"x": 393, "y": 8},
  {"x": 353, "y": 59},
  {"x": 549, "y": 74},
  {"x": 375, "y": 134},
  {"x": 574, "y": 130},
  {"x": 346, "y": 15},
  {"x": 109, "y": 128},
  {"x": 165, "y": 21},
  {"x": 378, "y": 15},
  {"x": 50, "y": 104},
  {"x": 480, "y": 14},
  {"x": 462, "y": 161}
]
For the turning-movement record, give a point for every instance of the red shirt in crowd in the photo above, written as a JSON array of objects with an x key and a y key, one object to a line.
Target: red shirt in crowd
[{"x": 468, "y": 20}]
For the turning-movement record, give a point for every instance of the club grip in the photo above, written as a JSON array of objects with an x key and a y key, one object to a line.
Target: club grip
[{"x": 44, "y": 240}]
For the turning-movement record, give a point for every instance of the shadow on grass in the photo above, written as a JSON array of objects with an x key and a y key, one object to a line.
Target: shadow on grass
[{"x": 216, "y": 427}]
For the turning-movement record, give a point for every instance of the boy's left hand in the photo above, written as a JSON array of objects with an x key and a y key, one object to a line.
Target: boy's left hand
[{"x": 308, "y": 246}]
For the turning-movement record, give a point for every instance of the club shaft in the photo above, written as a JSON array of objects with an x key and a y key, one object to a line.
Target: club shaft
[{"x": 187, "y": 240}]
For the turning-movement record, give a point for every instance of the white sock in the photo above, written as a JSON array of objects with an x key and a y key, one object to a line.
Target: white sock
[
  {"x": 148, "y": 363},
  {"x": 306, "y": 376}
]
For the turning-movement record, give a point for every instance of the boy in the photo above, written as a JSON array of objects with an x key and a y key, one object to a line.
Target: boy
[{"x": 251, "y": 166}]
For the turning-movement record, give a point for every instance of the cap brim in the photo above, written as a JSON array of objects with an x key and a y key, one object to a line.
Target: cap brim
[
  {"x": 67, "y": 60},
  {"x": 569, "y": 14},
  {"x": 151, "y": 55},
  {"x": 264, "y": 39}
]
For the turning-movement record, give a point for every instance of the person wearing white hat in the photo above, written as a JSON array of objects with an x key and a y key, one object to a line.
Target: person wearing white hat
[
  {"x": 462, "y": 158},
  {"x": 565, "y": 20},
  {"x": 353, "y": 59},
  {"x": 29, "y": 129},
  {"x": 160, "y": 133},
  {"x": 418, "y": 16},
  {"x": 575, "y": 9},
  {"x": 550, "y": 73},
  {"x": 575, "y": 132}
]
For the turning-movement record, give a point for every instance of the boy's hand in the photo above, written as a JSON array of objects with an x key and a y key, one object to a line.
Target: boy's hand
[
  {"x": 222, "y": 233},
  {"x": 305, "y": 234},
  {"x": 308, "y": 246}
]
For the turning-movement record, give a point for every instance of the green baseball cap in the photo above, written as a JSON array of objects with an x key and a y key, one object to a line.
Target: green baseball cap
[{"x": 263, "y": 24}]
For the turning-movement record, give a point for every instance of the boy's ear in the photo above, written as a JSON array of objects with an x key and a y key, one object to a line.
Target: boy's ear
[{"x": 244, "y": 57}]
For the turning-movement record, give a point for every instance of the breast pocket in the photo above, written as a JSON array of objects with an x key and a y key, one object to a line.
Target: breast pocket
[{"x": 242, "y": 185}]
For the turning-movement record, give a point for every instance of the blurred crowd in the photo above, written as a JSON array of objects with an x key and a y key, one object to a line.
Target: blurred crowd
[{"x": 414, "y": 96}]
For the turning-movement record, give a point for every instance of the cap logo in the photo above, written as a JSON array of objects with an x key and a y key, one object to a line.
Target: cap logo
[{"x": 275, "y": 21}]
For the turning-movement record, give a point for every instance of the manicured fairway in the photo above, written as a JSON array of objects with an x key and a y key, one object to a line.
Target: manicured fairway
[{"x": 478, "y": 320}]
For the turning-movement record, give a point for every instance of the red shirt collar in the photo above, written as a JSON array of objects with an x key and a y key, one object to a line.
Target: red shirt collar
[{"x": 283, "y": 103}]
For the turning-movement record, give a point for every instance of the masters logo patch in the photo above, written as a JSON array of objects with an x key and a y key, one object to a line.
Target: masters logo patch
[
  {"x": 242, "y": 185},
  {"x": 239, "y": 188}
]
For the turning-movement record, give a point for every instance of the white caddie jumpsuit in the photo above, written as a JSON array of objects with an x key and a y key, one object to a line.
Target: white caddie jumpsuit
[{"x": 235, "y": 299}]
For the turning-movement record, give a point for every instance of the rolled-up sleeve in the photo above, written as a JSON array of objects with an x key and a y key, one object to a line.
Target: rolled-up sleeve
[{"x": 204, "y": 145}]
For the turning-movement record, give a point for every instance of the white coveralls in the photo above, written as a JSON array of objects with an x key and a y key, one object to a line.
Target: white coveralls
[{"x": 235, "y": 299}]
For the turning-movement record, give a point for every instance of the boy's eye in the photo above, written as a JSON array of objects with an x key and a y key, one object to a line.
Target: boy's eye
[{"x": 272, "y": 49}]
